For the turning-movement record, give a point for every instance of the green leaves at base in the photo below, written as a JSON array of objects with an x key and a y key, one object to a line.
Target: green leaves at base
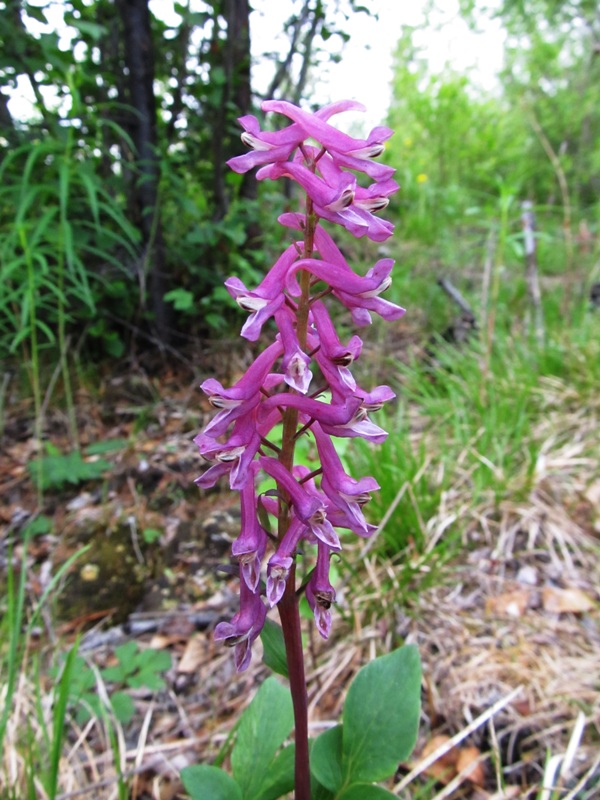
[
  {"x": 380, "y": 723},
  {"x": 203, "y": 782},
  {"x": 261, "y": 771},
  {"x": 326, "y": 758},
  {"x": 263, "y": 728},
  {"x": 379, "y": 730},
  {"x": 381, "y": 715}
]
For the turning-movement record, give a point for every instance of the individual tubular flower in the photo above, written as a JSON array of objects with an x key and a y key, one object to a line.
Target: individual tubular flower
[
  {"x": 309, "y": 509},
  {"x": 241, "y": 398},
  {"x": 358, "y": 151},
  {"x": 334, "y": 197},
  {"x": 278, "y": 568},
  {"x": 250, "y": 546},
  {"x": 269, "y": 147},
  {"x": 320, "y": 593},
  {"x": 326, "y": 413},
  {"x": 244, "y": 627},
  {"x": 295, "y": 363},
  {"x": 234, "y": 457},
  {"x": 345, "y": 494},
  {"x": 267, "y": 298}
]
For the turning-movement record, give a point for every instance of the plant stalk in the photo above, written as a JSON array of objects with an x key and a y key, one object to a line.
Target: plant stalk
[
  {"x": 288, "y": 605},
  {"x": 292, "y": 635}
]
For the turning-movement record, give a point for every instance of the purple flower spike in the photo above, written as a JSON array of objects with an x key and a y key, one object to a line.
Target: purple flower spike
[
  {"x": 275, "y": 402},
  {"x": 244, "y": 627},
  {"x": 320, "y": 593}
]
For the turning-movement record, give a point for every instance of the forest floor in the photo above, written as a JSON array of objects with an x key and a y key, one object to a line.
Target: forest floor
[{"x": 508, "y": 627}]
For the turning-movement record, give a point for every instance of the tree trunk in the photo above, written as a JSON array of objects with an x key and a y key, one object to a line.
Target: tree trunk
[
  {"x": 235, "y": 62},
  {"x": 139, "y": 61}
]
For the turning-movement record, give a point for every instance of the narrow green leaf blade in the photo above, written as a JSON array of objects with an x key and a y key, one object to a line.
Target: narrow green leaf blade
[
  {"x": 264, "y": 726},
  {"x": 381, "y": 716},
  {"x": 203, "y": 781}
]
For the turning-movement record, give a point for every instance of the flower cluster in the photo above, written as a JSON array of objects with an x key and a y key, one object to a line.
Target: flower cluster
[{"x": 281, "y": 387}]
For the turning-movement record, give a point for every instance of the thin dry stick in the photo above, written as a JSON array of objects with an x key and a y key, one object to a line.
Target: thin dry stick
[
  {"x": 589, "y": 774},
  {"x": 573, "y": 746},
  {"x": 458, "y": 779},
  {"x": 447, "y": 746},
  {"x": 139, "y": 756},
  {"x": 531, "y": 267}
]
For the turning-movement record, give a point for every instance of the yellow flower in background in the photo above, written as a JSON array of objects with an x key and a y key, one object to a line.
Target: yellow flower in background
[
  {"x": 408, "y": 142},
  {"x": 422, "y": 178}
]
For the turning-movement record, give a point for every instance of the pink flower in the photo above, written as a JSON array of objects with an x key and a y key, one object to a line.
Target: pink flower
[
  {"x": 244, "y": 627},
  {"x": 309, "y": 509},
  {"x": 320, "y": 593},
  {"x": 251, "y": 544},
  {"x": 267, "y": 298}
]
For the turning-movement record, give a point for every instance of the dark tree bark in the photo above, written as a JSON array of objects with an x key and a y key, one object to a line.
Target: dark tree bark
[
  {"x": 7, "y": 125},
  {"x": 139, "y": 61},
  {"x": 234, "y": 57}
]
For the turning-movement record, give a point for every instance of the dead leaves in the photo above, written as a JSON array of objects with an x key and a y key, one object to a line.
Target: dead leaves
[
  {"x": 565, "y": 601},
  {"x": 551, "y": 600},
  {"x": 464, "y": 761}
]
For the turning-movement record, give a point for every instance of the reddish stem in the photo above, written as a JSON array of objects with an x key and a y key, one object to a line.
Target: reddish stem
[{"x": 292, "y": 636}]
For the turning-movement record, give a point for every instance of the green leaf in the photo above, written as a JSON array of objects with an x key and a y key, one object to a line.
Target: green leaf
[
  {"x": 56, "y": 470},
  {"x": 381, "y": 715},
  {"x": 156, "y": 660},
  {"x": 182, "y": 299},
  {"x": 127, "y": 655},
  {"x": 274, "y": 648},
  {"x": 107, "y": 446},
  {"x": 37, "y": 527},
  {"x": 263, "y": 727},
  {"x": 114, "y": 674},
  {"x": 147, "y": 678},
  {"x": 150, "y": 535},
  {"x": 319, "y": 792},
  {"x": 326, "y": 758},
  {"x": 203, "y": 782},
  {"x": 123, "y": 707},
  {"x": 364, "y": 791},
  {"x": 280, "y": 779}
]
